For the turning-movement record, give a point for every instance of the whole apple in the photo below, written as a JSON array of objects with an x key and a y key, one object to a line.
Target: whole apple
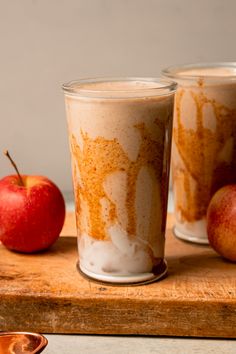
[
  {"x": 32, "y": 213},
  {"x": 221, "y": 222}
]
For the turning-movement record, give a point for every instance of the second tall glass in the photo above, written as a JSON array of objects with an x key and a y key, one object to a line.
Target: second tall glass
[{"x": 204, "y": 141}]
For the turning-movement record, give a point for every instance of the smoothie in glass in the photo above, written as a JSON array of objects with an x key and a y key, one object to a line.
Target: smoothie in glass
[{"x": 120, "y": 142}]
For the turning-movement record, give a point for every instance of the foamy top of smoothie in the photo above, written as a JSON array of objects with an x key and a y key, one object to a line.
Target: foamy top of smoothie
[
  {"x": 119, "y": 88},
  {"x": 120, "y": 85},
  {"x": 211, "y": 71}
]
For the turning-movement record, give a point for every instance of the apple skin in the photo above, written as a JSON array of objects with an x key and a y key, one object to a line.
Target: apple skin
[
  {"x": 31, "y": 216},
  {"x": 221, "y": 222}
]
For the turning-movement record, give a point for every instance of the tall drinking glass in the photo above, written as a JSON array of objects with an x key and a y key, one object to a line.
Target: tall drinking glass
[
  {"x": 120, "y": 143},
  {"x": 204, "y": 141}
]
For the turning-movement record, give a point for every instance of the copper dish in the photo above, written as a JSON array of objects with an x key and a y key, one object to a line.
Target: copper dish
[{"x": 22, "y": 343}]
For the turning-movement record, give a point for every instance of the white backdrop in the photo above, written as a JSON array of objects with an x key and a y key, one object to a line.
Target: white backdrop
[{"x": 47, "y": 42}]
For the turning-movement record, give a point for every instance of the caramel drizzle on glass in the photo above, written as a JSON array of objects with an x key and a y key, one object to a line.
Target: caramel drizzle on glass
[
  {"x": 101, "y": 157},
  {"x": 199, "y": 150}
]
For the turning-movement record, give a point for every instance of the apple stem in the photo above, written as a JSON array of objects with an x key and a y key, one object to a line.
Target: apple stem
[{"x": 6, "y": 152}]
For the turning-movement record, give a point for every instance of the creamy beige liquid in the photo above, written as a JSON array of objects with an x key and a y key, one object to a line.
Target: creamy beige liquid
[
  {"x": 204, "y": 150},
  {"x": 120, "y": 147},
  {"x": 209, "y": 72}
]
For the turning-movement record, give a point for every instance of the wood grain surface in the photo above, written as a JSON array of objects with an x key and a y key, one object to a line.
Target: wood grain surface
[{"x": 45, "y": 293}]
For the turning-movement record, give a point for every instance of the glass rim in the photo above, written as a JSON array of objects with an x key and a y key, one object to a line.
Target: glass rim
[
  {"x": 175, "y": 72},
  {"x": 164, "y": 87}
]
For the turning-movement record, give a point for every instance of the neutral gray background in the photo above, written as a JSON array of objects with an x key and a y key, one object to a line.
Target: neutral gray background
[{"x": 47, "y": 42}]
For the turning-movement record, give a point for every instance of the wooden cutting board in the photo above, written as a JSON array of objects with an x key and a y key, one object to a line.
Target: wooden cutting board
[{"x": 45, "y": 293}]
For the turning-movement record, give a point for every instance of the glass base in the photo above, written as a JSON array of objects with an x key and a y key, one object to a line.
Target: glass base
[
  {"x": 190, "y": 238},
  {"x": 136, "y": 279}
]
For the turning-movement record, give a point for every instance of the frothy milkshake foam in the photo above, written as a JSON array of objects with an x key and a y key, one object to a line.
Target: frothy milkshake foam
[
  {"x": 209, "y": 72},
  {"x": 120, "y": 146}
]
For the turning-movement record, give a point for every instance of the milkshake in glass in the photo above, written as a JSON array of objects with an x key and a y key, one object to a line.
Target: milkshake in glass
[
  {"x": 120, "y": 142},
  {"x": 204, "y": 141}
]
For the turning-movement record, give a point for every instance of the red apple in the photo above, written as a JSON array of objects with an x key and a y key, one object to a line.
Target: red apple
[
  {"x": 221, "y": 222},
  {"x": 32, "y": 212}
]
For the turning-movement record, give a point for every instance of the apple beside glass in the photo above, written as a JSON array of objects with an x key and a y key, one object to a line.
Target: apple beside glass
[{"x": 32, "y": 212}]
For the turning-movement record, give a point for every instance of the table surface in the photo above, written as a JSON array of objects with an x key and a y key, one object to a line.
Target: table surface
[{"x": 45, "y": 293}]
